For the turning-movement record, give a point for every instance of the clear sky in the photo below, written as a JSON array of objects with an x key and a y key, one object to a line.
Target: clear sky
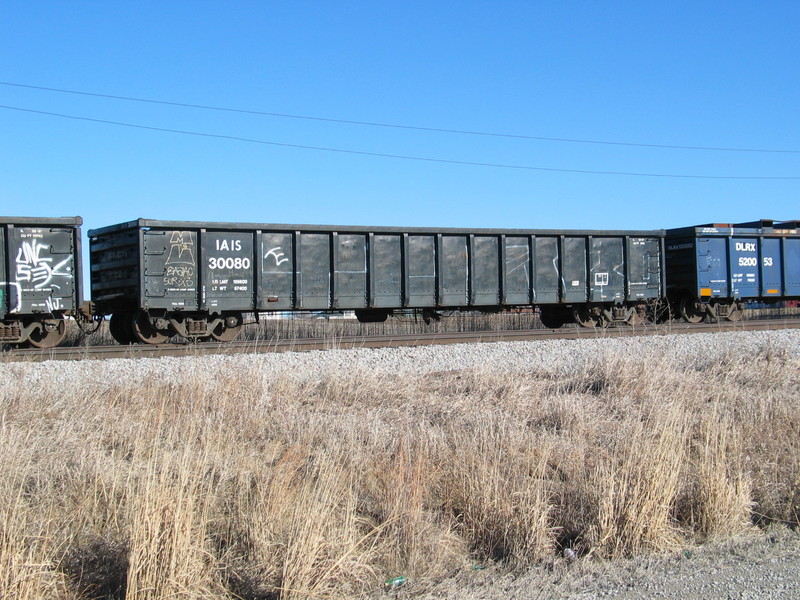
[{"x": 690, "y": 74}]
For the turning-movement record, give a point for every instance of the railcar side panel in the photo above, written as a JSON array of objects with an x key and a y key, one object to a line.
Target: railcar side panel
[
  {"x": 547, "y": 271},
  {"x": 314, "y": 271},
  {"x": 228, "y": 271},
  {"x": 791, "y": 262},
  {"x": 744, "y": 266},
  {"x": 386, "y": 255},
  {"x": 454, "y": 269},
  {"x": 517, "y": 280},
  {"x": 485, "y": 270},
  {"x": 350, "y": 275},
  {"x": 421, "y": 269},
  {"x": 277, "y": 258},
  {"x": 169, "y": 270},
  {"x": 607, "y": 269},
  {"x": 771, "y": 267},
  {"x": 712, "y": 267},
  {"x": 43, "y": 269},
  {"x": 644, "y": 262},
  {"x": 573, "y": 269},
  {"x": 4, "y": 281}
]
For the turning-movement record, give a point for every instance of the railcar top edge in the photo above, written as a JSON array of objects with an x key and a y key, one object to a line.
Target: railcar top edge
[
  {"x": 153, "y": 223},
  {"x": 68, "y": 221},
  {"x": 762, "y": 227}
]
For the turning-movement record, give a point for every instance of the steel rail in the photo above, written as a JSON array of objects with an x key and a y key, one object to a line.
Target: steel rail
[{"x": 385, "y": 341}]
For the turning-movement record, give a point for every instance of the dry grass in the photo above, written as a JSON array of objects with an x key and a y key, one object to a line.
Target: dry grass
[{"x": 241, "y": 487}]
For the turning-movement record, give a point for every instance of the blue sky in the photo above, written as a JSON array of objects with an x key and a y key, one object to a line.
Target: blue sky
[{"x": 712, "y": 74}]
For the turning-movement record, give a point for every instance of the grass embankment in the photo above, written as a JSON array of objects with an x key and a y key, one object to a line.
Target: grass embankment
[{"x": 234, "y": 485}]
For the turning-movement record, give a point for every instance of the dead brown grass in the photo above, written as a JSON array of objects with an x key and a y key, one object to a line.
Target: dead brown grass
[{"x": 226, "y": 487}]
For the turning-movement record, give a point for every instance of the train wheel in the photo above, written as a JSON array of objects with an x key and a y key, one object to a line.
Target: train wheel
[
  {"x": 584, "y": 316},
  {"x": 690, "y": 311},
  {"x": 144, "y": 331},
  {"x": 51, "y": 334},
  {"x": 734, "y": 312},
  {"x": 119, "y": 326},
  {"x": 230, "y": 327}
]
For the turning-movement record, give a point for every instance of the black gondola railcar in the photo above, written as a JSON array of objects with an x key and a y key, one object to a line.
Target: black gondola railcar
[
  {"x": 40, "y": 278},
  {"x": 196, "y": 279}
]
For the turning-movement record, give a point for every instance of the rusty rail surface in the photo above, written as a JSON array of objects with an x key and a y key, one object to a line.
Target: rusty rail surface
[{"x": 385, "y": 341}]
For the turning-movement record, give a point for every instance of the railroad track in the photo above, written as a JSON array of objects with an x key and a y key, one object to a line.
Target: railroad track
[{"x": 383, "y": 341}]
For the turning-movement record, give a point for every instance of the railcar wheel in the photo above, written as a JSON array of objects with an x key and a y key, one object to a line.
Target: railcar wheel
[
  {"x": 119, "y": 326},
  {"x": 584, "y": 316},
  {"x": 51, "y": 334},
  {"x": 144, "y": 331},
  {"x": 734, "y": 313},
  {"x": 228, "y": 329},
  {"x": 689, "y": 310}
]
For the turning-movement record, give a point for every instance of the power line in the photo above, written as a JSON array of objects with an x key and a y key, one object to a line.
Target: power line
[
  {"x": 398, "y": 126},
  {"x": 385, "y": 155}
]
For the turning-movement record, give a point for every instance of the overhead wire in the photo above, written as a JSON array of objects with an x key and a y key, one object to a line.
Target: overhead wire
[
  {"x": 396, "y": 125},
  {"x": 387, "y": 155}
]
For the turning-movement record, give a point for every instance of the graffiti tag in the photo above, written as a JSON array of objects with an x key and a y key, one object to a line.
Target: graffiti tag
[
  {"x": 39, "y": 270},
  {"x": 278, "y": 255},
  {"x": 180, "y": 265}
]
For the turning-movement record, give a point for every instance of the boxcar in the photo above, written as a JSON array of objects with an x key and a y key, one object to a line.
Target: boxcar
[
  {"x": 40, "y": 278},
  {"x": 713, "y": 269},
  {"x": 160, "y": 278}
]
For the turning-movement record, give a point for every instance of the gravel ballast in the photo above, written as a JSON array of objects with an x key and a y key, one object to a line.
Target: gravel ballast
[
  {"x": 763, "y": 566},
  {"x": 552, "y": 357}
]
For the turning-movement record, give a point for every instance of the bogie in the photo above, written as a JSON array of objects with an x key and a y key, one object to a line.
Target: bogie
[{"x": 49, "y": 333}]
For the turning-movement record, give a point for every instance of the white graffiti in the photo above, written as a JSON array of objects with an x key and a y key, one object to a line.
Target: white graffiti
[
  {"x": 39, "y": 270},
  {"x": 278, "y": 255},
  {"x": 53, "y": 304}
]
